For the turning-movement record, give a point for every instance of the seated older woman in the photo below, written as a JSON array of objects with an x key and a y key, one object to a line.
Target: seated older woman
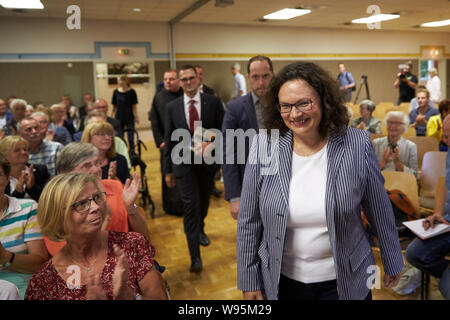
[
  {"x": 366, "y": 121},
  {"x": 101, "y": 135},
  {"x": 393, "y": 152},
  {"x": 25, "y": 180},
  {"x": 94, "y": 264},
  {"x": 83, "y": 158},
  {"x": 22, "y": 248}
]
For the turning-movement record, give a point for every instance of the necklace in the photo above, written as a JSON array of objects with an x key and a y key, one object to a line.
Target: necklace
[{"x": 89, "y": 267}]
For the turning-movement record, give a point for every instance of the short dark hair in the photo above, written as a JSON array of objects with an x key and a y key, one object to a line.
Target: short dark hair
[
  {"x": 6, "y": 166},
  {"x": 334, "y": 112},
  {"x": 444, "y": 106},
  {"x": 187, "y": 67},
  {"x": 259, "y": 58}
]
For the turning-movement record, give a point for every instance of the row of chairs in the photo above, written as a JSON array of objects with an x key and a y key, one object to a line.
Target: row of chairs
[{"x": 381, "y": 109}]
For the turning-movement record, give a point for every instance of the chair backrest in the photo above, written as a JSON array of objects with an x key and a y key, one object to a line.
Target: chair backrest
[
  {"x": 424, "y": 144},
  {"x": 439, "y": 184},
  {"x": 410, "y": 132},
  {"x": 405, "y": 182},
  {"x": 433, "y": 167},
  {"x": 375, "y": 136}
]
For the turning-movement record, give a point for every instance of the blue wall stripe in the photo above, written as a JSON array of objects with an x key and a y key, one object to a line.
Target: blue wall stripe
[{"x": 85, "y": 56}]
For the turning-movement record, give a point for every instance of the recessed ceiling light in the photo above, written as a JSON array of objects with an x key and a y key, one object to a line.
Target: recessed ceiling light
[
  {"x": 137, "y": 9},
  {"x": 436, "y": 23},
  {"x": 377, "y": 18},
  {"x": 286, "y": 13},
  {"x": 22, "y": 4}
]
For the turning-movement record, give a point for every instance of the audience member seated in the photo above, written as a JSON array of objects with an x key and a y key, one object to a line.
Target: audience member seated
[
  {"x": 119, "y": 145},
  {"x": 102, "y": 106},
  {"x": 429, "y": 255},
  {"x": 50, "y": 131},
  {"x": 5, "y": 115},
  {"x": 80, "y": 157},
  {"x": 414, "y": 104},
  {"x": 59, "y": 119},
  {"x": 22, "y": 248},
  {"x": 395, "y": 153},
  {"x": 112, "y": 265},
  {"x": 418, "y": 118},
  {"x": 17, "y": 107},
  {"x": 72, "y": 114},
  {"x": 9, "y": 291},
  {"x": 434, "y": 126},
  {"x": 366, "y": 121},
  {"x": 101, "y": 135},
  {"x": 29, "y": 110},
  {"x": 41, "y": 151},
  {"x": 25, "y": 180}
]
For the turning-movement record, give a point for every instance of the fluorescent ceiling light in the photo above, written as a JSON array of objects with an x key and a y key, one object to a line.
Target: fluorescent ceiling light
[
  {"x": 377, "y": 18},
  {"x": 436, "y": 23},
  {"x": 137, "y": 9},
  {"x": 22, "y": 4},
  {"x": 286, "y": 13}
]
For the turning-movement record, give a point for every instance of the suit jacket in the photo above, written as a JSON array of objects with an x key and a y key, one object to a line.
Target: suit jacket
[
  {"x": 208, "y": 90},
  {"x": 353, "y": 179},
  {"x": 240, "y": 114},
  {"x": 211, "y": 117}
]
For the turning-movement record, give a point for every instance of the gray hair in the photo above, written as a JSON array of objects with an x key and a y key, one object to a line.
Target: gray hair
[
  {"x": 237, "y": 66},
  {"x": 73, "y": 154},
  {"x": 56, "y": 105},
  {"x": 40, "y": 113},
  {"x": 16, "y": 102},
  {"x": 399, "y": 115},
  {"x": 368, "y": 105}
]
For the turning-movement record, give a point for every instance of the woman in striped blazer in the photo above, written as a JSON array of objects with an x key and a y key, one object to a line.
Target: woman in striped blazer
[{"x": 300, "y": 233}]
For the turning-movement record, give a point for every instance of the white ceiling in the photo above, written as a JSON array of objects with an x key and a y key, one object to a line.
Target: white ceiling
[{"x": 325, "y": 13}]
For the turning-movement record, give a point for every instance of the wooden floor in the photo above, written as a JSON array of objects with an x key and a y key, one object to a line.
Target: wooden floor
[{"x": 218, "y": 279}]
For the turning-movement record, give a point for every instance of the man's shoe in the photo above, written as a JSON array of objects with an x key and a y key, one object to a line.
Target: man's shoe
[
  {"x": 196, "y": 266},
  {"x": 204, "y": 240}
]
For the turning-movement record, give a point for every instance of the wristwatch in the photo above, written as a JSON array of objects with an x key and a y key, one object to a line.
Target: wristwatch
[
  {"x": 6, "y": 265},
  {"x": 135, "y": 210}
]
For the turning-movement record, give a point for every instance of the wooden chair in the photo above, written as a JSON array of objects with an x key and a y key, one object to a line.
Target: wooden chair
[
  {"x": 433, "y": 167},
  {"x": 405, "y": 182},
  {"x": 374, "y": 136},
  {"x": 424, "y": 144},
  {"x": 410, "y": 132}
]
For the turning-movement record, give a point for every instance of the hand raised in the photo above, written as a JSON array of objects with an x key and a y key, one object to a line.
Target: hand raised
[
  {"x": 121, "y": 290},
  {"x": 94, "y": 288},
  {"x": 112, "y": 172},
  {"x": 131, "y": 190}
]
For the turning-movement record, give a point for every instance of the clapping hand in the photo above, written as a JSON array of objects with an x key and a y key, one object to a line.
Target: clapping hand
[
  {"x": 131, "y": 190},
  {"x": 121, "y": 290},
  {"x": 94, "y": 288},
  {"x": 112, "y": 172}
]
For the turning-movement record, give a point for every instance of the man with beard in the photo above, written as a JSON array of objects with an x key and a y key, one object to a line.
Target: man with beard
[{"x": 244, "y": 113}]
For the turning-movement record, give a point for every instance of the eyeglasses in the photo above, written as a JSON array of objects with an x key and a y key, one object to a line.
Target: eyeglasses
[
  {"x": 305, "y": 105},
  {"x": 394, "y": 123},
  {"x": 187, "y": 79},
  {"x": 84, "y": 205}
]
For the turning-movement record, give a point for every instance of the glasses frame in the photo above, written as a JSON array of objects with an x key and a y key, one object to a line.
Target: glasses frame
[
  {"x": 297, "y": 106},
  {"x": 185, "y": 80},
  {"x": 89, "y": 201}
]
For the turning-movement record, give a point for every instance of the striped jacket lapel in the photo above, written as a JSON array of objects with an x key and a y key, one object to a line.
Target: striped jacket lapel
[
  {"x": 335, "y": 152},
  {"x": 285, "y": 165}
]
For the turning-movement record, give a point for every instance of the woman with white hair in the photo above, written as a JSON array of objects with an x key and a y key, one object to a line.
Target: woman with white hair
[
  {"x": 393, "y": 152},
  {"x": 366, "y": 121},
  {"x": 59, "y": 118}
]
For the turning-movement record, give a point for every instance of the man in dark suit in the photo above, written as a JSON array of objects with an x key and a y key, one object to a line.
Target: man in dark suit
[
  {"x": 203, "y": 87},
  {"x": 244, "y": 113},
  {"x": 171, "y": 199},
  {"x": 195, "y": 178}
]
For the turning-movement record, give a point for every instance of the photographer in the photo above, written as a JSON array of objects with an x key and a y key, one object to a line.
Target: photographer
[
  {"x": 393, "y": 152},
  {"x": 406, "y": 83}
]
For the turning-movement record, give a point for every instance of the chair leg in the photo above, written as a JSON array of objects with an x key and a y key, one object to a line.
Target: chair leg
[
  {"x": 427, "y": 285},
  {"x": 422, "y": 286}
]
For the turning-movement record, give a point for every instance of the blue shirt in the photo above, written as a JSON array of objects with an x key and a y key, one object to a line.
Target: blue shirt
[
  {"x": 345, "y": 79},
  {"x": 421, "y": 129}
]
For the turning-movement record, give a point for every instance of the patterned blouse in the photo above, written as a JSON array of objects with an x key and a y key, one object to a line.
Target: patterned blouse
[{"x": 47, "y": 284}]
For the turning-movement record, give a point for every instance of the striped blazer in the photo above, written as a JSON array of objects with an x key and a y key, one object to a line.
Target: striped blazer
[{"x": 353, "y": 180}]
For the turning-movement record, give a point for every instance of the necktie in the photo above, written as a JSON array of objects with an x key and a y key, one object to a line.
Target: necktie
[{"x": 193, "y": 115}]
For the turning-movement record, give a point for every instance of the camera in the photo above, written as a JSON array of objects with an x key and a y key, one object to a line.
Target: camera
[
  {"x": 402, "y": 75},
  {"x": 392, "y": 145}
]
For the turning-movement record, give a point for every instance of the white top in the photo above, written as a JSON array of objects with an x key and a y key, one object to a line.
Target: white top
[
  {"x": 187, "y": 103},
  {"x": 434, "y": 86},
  {"x": 3, "y": 121},
  {"x": 307, "y": 255},
  {"x": 239, "y": 85}
]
